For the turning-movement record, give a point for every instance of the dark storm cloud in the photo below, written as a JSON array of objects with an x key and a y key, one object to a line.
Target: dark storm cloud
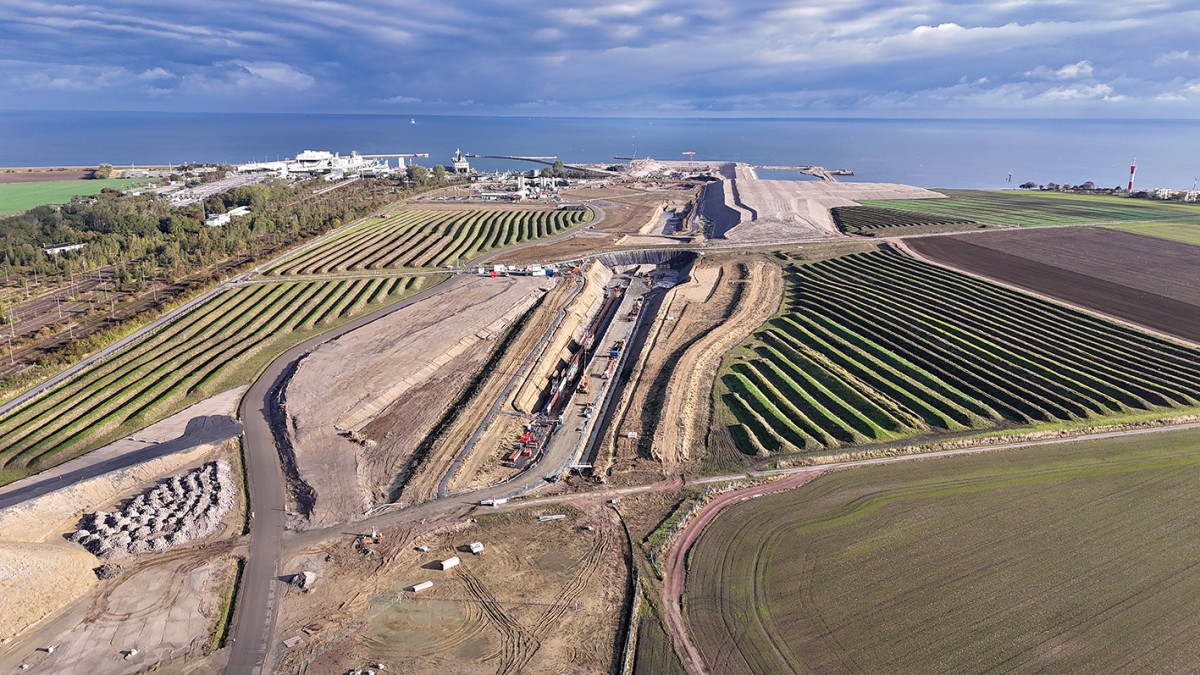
[{"x": 858, "y": 57}]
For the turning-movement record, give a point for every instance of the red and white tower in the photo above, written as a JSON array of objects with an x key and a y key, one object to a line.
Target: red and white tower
[{"x": 1132, "y": 171}]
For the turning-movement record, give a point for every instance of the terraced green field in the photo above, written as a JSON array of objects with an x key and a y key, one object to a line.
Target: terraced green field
[
  {"x": 1040, "y": 208},
  {"x": 427, "y": 238},
  {"x": 877, "y": 346},
  {"x": 225, "y": 343},
  {"x": 1188, "y": 233},
  {"x": 1071, "y": 558},
  {"x": 872, "y": 221}
]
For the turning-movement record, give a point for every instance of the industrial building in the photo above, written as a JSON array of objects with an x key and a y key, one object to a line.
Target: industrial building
[{"x": 333, "y": 166}]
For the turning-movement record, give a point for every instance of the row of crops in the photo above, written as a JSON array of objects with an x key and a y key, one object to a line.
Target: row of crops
[
  {"x": 877, "y": 346},
  {"x": 871, "y": 221},
  {"x": 223, "y": 344},
  {"x": 428, "y": 238},
  {"x": 1038, "y": 208}
]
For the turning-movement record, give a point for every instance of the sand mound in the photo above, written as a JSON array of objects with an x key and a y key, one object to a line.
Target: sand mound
[
  {"x": 37, "y": 579},
  {"x": 771, "y": 211}
]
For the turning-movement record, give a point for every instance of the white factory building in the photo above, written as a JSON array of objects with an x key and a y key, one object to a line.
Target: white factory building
[{"x": 322, "y": 163}]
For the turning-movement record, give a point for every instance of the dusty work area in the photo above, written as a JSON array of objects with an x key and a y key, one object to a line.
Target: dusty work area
[
  {"x": 159, "y": 613},
  {"x": 359, "y": 405},
  {"x": 668, "y": 401},
  {"x": 162, "y": 605},
  {"x": 558, "y": 349},
  {"x": 489, "y": 411},
  {"x": 745, "y": 209},
  {"x": 624, "y": 213},
  {"x": 542, "y": 597}
]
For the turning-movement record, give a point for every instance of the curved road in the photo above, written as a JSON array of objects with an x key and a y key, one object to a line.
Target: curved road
[
  {"x": 254, "y": 621},
  {"x": 254, "y": 618}
]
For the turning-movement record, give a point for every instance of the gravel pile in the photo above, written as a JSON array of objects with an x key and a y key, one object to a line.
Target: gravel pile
[
  {"x": 109, "y": 571},
  {"x": 186, "y": 507}
]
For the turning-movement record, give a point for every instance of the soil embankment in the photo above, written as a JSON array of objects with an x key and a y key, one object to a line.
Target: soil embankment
[
  {"x": 686, "y": 403},
  {"x": 568, "y": 333},
  {"x": 687, "y": 312},
  {"x": 749, "y": 210},
  {"x": 359, "y": 405}
]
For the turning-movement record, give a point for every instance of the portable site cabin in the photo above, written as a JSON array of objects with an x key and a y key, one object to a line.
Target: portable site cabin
[
  {"x": 477, "y": 547},
  {"x": 449, "y": 562}
]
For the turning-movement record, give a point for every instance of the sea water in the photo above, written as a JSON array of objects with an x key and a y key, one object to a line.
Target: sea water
[{"x": 925, "y": 152}]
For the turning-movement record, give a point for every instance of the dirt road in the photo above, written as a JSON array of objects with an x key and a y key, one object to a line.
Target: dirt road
[{"x": 675, "y": 573}]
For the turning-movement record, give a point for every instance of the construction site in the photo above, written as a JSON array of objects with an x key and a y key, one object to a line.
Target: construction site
[{"x": 437, "y": 484}]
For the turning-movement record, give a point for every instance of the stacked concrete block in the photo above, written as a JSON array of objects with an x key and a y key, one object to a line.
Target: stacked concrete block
[{"x": 186, "y": 507}]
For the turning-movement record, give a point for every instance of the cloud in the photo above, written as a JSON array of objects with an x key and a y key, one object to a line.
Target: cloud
[
  {"x": 1071, "y": 71},
  {"x": 1074, "y": 71},
  {"x": 156, "y": 73},
  {"x": 764, "y": 57},
  {"x": 247, "y": 76},
  {"x": 1075, "y": 93},
  {"x": 1177, "y": 56}
]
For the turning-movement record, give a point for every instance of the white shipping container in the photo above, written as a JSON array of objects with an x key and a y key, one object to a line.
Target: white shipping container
[
  {"x": 450, "y": 562},
  {"x": 417, "y": 588}
]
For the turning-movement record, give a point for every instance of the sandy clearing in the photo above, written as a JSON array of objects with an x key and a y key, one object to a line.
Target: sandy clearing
[
  {"x": 541, "y": 598},
  {"x": 36, "y": 579},
  {"x": 781, "y": 210},
  {"x": 359, "y": 405},
  {"x": 701, "y": 284},
  {"x": 164, "y": 608}
]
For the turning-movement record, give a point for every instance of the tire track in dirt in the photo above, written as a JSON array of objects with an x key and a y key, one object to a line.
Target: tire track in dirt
[
  {"x": 586, "y": 568},
  {"x": 518, "y": 645}
]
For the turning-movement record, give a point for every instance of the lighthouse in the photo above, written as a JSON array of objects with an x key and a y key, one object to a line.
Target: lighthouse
[{"x": 1132, "y": 171}]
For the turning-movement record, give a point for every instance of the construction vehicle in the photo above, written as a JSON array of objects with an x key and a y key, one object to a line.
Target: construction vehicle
[{"x": 583, "y": 385}]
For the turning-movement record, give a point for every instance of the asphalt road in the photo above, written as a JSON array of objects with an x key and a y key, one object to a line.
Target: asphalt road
[
  {"x": 251, "y": 634},
  {"x": 254, "y": 621},
  {"x": 200, "y": 430}
]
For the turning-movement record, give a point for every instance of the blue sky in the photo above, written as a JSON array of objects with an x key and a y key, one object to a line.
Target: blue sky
[{"x": 1003, "y": 58}]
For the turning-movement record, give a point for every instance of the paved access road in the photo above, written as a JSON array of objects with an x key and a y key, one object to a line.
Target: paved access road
[{"x": 254, "y": 621}]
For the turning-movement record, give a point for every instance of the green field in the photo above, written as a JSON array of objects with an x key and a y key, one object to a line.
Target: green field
[
  {"x": 654, "y": 653},
  {"x": 18, "y": 197},
  {"x": 411, "y": 239},
  {"x": 1073, "y": 558},
  {"x": 872, "y": 221},
  {"x": 225, "y": 343},
  {"x": 1040, "y": 208},
  {"x": 1188, "y": 233},
  {"x": 873, "y": 347}
]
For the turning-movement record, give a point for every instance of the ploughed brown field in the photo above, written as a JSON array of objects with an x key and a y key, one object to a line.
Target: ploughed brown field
[
  {"x": 1145, "y": 280},
  {"x": 43, "y": 176}
]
